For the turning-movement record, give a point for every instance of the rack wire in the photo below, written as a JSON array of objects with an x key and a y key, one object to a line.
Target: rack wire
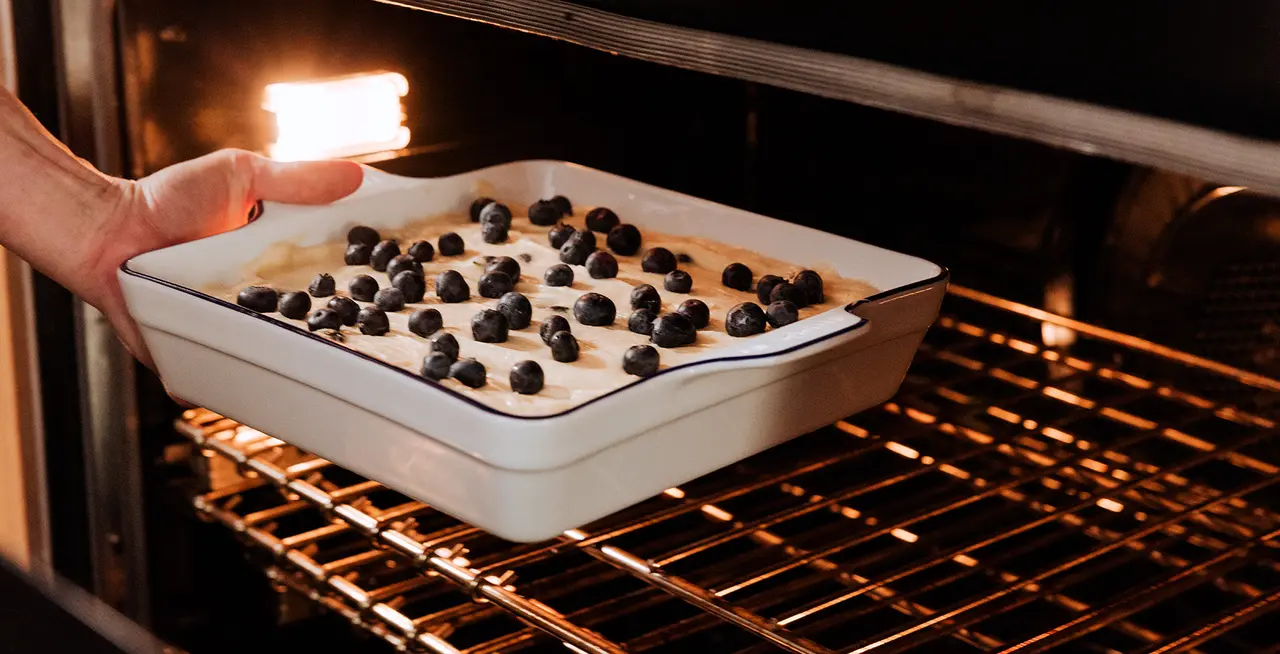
[{"x": 1014, "y": 497}]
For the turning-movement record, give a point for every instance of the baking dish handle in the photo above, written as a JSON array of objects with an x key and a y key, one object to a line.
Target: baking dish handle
[
  {"x": 849, "y": 328},
  {"x": 375, "y": 182},
  {"x": 887, "y": 316},
  {"x": 378, "y": 181},
  {"x": 906, "y": 310}
]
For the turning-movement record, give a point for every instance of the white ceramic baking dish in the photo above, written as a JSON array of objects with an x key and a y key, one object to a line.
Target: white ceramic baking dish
[{"x": 528, "y": 478}]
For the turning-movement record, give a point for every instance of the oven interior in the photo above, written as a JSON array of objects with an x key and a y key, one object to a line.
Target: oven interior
[{"x": 1041, "y": 481}]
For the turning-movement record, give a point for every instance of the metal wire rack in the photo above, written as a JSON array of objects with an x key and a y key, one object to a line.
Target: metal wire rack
[{"x": 1014, "y": 497}]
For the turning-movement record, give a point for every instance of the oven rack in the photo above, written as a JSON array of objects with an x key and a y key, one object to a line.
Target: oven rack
[{"x": 1012, "y": 497}]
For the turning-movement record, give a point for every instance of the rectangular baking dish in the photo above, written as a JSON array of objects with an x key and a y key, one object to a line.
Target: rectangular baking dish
[{"x": 528, "y": 478}]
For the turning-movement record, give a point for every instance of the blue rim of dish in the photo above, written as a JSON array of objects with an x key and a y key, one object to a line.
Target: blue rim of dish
[{"x": 942, "y": 275}]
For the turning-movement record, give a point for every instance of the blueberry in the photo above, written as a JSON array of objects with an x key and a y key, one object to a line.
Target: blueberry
[
  {"x": 489, "y": 326},
  {"x": 736, "y": 276},
  {"x": 477, "y": 205},
  {"x": 412, "y": 285},
  {"x": 373, "y": 321},
  {"x": 641, "y": 321},
  {"x": 640, "y": 360},
  {"x": 624, "y": 240},
  {"x": 526, "y": 377},
  {"x": 450, "y": 245},
  {"x": 658, "y": 260},
  {"x": 594, "y": 309},
  {"x": 436, "y": 366},
  {"x": 506, "y": 265},
  {"x": 322, "y": 286},
  {"x": 493, "y": 232},
  {"x": 422, "y": 251},
  {"x": 564, "y": 347},
  {"x": 324, "y": 319},
  {"x": 558, "y": 275},
  {"x": 559, "y": 234},
  {"x": 645, "y": 296},
  {"x": 673, "y": 330},
  {"x": 552, "y": 325},
  {"x": 494, "y": 284},
  {"x": 578, "y": 247},
  {"x": 746, "y": 319},
  {"x": 678, "y": 281},
  {"x": 562, "y": 203},
  {"x": 363, "y": 235},
  {"x": 262, "y": 299},
  {"x": 602, "y": 265},
  {"x": 696, "y": 311},
  {"x": 389, "y": 299},
  {"x": 425, "y": 322},
  {"x": 451, "y": 287},
  {"x": 786, "y": 291},
  {"x": 445, "y": 343},
  {"x": 765, "y": 286},
  {"x": 362, "y": 287},
  {"x": 517, "y": 309},
  {"x": 357, "y": 254},
  {"x": 346, "y": 309},
  {"x": 809, "y": 283},
  {"x": 684, "y": 258},
  {"x": 544, "y": 212},
  {"x": 781, "y": 313},
  {"x": 601, "y": 219},
  {"x": 496, "y": 213},
  {"x": 382, "y": 254},
  {"x": 401, "y": 263},
  {"x": 295, "y": 305},
  {"x": 470, "y": 372}
]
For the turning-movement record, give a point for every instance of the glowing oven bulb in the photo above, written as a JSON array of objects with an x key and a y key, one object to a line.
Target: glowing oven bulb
[{"x": 337, "y": 117}]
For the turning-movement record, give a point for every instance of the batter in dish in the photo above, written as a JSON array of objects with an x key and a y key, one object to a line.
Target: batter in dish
[{"x": 618, "y": 308}]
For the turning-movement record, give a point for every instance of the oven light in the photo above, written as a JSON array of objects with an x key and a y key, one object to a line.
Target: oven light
[
  {"x": 337, "y": 117},
  {"x": 1058, "y": 299}
]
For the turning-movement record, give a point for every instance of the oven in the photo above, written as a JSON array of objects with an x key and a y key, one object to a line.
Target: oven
[{"x": 1083, "y": 457}]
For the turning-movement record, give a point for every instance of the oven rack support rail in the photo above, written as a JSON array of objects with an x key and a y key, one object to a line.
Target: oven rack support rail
[
  {"x": 1070, "y": 124},
  {"x": 1042, "y": 446}
]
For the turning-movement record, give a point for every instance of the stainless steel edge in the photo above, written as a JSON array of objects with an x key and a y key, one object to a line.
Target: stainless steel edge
[
  {"x": 86, "y": 47},
  {"x": 1091, "y": 129},
  {"x": 8, "y": 49},
  {"x": 91, "y": 612},
  {"x": 17, "y": 277}
]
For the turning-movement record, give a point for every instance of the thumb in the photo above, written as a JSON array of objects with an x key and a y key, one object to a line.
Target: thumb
[{"x": 303, "y": 182}]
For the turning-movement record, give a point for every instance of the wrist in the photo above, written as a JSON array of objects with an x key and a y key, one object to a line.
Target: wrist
[
  {"x": 55, "y": 208},
  {"x": 119, "y": 224}
]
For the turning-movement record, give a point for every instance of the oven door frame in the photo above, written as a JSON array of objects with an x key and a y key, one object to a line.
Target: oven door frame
[{"x": 86, "y": 65}]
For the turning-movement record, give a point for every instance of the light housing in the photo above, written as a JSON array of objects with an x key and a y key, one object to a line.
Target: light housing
[{"x": 337, "y": 117}]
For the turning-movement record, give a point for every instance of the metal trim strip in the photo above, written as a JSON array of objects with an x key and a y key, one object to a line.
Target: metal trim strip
[{"x": 1073, "y": 125}]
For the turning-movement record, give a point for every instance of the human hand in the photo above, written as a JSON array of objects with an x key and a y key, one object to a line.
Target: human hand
[{"x": 191, "y": 200}]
